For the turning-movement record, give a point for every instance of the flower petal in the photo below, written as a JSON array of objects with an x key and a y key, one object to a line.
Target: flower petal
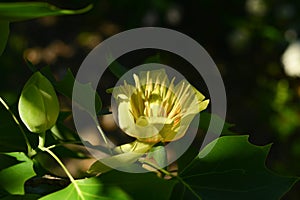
[
  {"x": 123, "y": 92},
  {"x": 180, "y": 131},
  {"x": 125, "y": 118}
]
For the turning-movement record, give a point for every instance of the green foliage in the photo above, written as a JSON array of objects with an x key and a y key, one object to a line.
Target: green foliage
[
  {"x": 38, "y": 104},
  {"x": 126, "y": 156},
  {"x": 232, "y": 168},
  {"x": 24, "y": 11},
  {"x": 204, "y": 124},
  {"x": 65, "y": 87},
  {"x": 15, "y": 169},
  {"x": 4, "y": 32},
  {"x": 21, "y": 197},
  {"x": 116, "y": 68},
  {"x": 235, "y": 173},
  {"x": 10, "y": 138},
  {"x": 140, "y": 186},
  {"x": 228, "y": 168},
  {"x": 17, "y": 11},
  {"x": 88, "y": 189}
]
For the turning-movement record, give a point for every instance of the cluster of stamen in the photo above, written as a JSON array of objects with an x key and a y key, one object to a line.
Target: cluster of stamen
[{"x": 157, "y": 99}]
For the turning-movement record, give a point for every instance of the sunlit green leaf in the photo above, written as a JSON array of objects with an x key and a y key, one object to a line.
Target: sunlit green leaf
[
  {"x": 13, "y": 177},
  {"x": 232, "y": 168},
  {"x": 17, "y": 11},
  {"x": 7, "y": 161},
  {"x": 90, "y": 189}
]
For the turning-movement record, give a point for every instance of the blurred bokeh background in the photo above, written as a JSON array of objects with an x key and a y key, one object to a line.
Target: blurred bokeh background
[{"x": 254, "y": 43}]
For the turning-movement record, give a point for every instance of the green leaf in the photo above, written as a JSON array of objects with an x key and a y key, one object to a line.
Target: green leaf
[
  {"x": 232, "y": 168},
  {"x": 116, "y": 68},
  {"x": 21, "y": 197},
  {"x": 65, "y": 87},
  {"x": 61, "y": 132},
  {"x": 127, "y": 155},
  {"x": 153, "y": 59},
  {"x": 205, "y": 119},
  {"x": 13, "y": 177},
  {"x": 4, "y": 32},
  {"x": 91, "y": 189},
  {"x": 87, "y": 92},
  {"x": 140, "y": 185},
  {"x": 119, "y": 161},
  {"x": 17, "y": 11},
  {"x": 7, "y": 161}
]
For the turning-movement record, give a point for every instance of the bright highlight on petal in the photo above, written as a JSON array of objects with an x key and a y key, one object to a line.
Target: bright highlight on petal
[{"x": 155, "y": 109}]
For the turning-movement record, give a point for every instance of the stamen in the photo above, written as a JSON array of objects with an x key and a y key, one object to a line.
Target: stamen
[
  {"x": 170, "y": 90},
  {"x": 163, "y": 88},
  {"x": 180, "y": 91},
  {"x": 137, "y": 82},
  {"x": 184, "y": 99},
  {"x": 157, "y": 81},
  {"x": 184, "y": 94},
  {"x": 148, "y": 76},
  {"x": 175, "y": 109}
]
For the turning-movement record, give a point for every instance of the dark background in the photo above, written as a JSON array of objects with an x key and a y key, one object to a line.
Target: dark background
[{"x": 245, "y": 38}]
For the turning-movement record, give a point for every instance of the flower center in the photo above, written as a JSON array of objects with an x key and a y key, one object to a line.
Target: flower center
[{"x": 155, "y": 99}]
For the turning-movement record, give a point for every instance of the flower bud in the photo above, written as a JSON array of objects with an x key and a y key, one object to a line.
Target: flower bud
[{"x": 38, "y": 104}]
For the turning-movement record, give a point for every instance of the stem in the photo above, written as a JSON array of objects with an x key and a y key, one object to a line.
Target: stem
[
  {"x": 173, "y": 176},
  {"x": 42, "y": 139},
  {"x": 158, "y": 168},
  {"x": 65, "y": 170},
  {"x": 30, "y": 151},
  {"x": 61, "y": 144}
]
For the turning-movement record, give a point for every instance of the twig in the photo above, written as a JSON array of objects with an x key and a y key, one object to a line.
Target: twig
[{"x": 66, "y": 171}]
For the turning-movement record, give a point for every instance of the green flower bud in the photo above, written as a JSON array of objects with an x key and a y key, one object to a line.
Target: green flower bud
[{"x": 38, "y": 104}]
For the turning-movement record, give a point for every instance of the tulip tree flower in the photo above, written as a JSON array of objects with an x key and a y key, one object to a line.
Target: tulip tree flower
[{"x": 155, "y": 109}]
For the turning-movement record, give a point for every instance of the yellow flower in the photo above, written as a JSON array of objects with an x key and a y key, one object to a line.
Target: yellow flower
[{"x": 155, "y": 110}]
